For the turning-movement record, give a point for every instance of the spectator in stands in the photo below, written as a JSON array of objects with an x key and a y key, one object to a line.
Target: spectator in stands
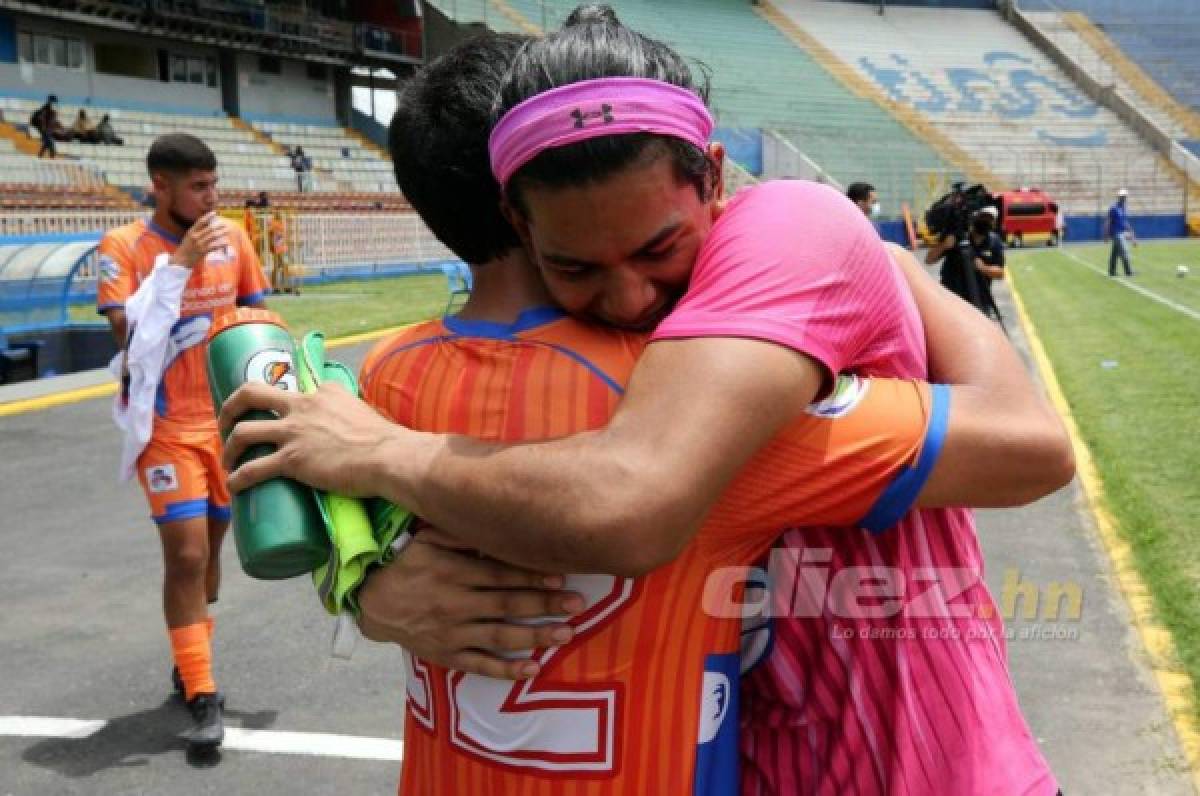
[
  {"x": 105, "y": 133},
  {"x": 1118, "y": 228},
  {"x": 82, "y": 130},
  {"x": 863, "y": 194},
  {"x": 45, "y": 120},
  {"x": 302, "y": 165},
  {"x": 263, "y": 200}
]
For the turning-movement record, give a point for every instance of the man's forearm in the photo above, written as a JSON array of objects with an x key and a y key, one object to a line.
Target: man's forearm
[
  {"x": 557, "y": 507},
  {"x": 625, "y": 498}
]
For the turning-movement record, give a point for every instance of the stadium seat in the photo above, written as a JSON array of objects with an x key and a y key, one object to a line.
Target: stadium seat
[{"x": 992, "y": 92}]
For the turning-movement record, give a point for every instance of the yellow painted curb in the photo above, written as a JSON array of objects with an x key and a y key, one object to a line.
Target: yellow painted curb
[
  {"x": 109, "y": 388},
  {"x": 57, "y": 399},
  {"x": 1174, "y": 683}
]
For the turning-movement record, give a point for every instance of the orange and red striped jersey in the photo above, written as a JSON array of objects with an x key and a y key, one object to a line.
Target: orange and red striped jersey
[
  {"x": 216, "y": 286},
  {"x": 644, "y": 698}
]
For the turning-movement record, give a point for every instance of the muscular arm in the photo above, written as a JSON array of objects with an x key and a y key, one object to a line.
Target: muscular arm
[
  {"x": 627, "y": 497},
  {"x": 623, "y": 499},
  {"x": 1005, "y": 445}
]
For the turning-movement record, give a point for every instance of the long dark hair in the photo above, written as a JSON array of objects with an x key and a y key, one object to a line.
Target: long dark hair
[{"x": 594, "y": 44}]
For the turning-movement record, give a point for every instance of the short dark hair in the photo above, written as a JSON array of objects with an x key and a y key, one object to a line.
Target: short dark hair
[
  {"x": 178, "y": 153},
  {"x": 594, "y": 44},
  {"x": 858, "y": 191},
  {"x": 439, "y": 145}
]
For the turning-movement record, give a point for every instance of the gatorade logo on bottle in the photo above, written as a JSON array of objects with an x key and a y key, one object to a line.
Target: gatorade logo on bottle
[{"x": 273, "y": 366}]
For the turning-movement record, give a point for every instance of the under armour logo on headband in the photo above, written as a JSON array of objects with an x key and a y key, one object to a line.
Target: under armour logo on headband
[{"x": 581, "y": 118}]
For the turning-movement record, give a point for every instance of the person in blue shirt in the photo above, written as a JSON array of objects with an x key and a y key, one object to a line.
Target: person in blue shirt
[{"x": 1121, "y": 231}]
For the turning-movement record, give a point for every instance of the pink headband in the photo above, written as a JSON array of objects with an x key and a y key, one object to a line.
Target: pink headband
[{"x": 591, "y": 109}]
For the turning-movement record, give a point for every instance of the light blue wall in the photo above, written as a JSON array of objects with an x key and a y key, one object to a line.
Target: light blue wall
[
  {"x": 290, "y": 94},
  {"x": 28, "y": 80}
]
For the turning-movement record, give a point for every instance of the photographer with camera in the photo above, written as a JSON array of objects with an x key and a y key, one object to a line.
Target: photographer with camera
[
  {"x": 951, "y": 219},
  {"x": 987, "y": 256}
]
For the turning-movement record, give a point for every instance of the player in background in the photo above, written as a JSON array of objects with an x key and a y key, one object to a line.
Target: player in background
[{"x": 180, "y": 469}]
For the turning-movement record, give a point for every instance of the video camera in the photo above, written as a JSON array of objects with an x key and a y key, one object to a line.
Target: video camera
[{"x": 952, "y": 214}]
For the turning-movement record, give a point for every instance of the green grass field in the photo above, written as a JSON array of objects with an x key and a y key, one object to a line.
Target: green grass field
[
  {"x": 349, "y": 307},
  {"x": 352, "y": 307},
  {"x": 1130, "y": 369}
]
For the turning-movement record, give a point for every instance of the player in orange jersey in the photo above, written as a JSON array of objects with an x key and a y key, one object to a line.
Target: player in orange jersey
[
  {"x": 638, "y": 693},
  {"x": 179, "y": 468}
]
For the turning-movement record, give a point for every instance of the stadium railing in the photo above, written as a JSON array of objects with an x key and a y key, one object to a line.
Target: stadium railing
[
  {"x": 64, "y": 223},
  {"x": 332, "y": 246}
]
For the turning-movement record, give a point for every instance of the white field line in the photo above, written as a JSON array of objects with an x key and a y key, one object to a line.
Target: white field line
[
  {"x": 316, "y": 744},
  {"x": 1123, "y": 282}
]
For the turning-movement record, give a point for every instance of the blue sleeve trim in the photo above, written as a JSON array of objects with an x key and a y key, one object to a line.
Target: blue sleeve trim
[
  {"x": 219, "y": 513},
  {"x": 252, "y": 299},
  {"x": 184, "y": 510},
  {"x": 901, "y": 494},
  {"x": 100, "y": 310}
]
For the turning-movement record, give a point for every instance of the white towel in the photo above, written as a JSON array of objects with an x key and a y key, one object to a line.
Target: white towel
[{"x": 152, "y": 312}]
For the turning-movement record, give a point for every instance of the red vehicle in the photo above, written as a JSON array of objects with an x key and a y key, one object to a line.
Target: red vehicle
[{"x": 1028, "y": 216}]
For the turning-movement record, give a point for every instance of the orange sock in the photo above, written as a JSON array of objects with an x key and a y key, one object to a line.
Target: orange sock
[
  {"x": 193, "y": 656},
  {"x": 209, "y": 623}
]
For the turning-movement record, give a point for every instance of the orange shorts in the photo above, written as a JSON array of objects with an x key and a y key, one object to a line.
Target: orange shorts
[{"x": 182, "y": 476}]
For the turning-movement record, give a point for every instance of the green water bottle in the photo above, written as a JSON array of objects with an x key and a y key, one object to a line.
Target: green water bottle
[{"x": 277, "y": 525}]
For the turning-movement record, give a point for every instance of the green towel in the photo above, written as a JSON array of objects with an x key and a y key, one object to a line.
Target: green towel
[{"x": 361, "y": 532}]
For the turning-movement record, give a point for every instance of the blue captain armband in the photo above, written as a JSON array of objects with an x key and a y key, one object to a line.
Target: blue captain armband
[{"x": 901, "y": 494}]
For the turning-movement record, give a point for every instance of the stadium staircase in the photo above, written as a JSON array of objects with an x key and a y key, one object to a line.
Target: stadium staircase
[
  {"x": 1077, "y": 35},
  {"x": 760, "y": 79},
  {"x": 1161, "y": 36},
  {"x": 858, "y": 85},
  {"x": 992, "y": 92}
]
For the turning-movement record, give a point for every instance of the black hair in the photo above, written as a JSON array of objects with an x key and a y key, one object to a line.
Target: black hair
[
  {"x": 982, "y": 224},
  {"x": 439, "y": 145},
  {"x": 594, "y": 44},
  {"x": 179, "y": 153},
  {"x": 859, "y": 191}
]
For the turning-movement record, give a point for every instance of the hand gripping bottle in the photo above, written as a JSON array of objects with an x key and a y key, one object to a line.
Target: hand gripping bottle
[{"x": 276, "y": 524}]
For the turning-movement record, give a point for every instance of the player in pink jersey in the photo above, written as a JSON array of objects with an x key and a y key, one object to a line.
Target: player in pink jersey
[{"x": 790, "y": 289}]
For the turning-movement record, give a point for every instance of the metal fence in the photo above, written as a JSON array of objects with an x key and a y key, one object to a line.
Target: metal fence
[
  {"x": 23, "y": 224},
  {"x": 317, "y": 243},
  {"x": 329, "y": 242}
]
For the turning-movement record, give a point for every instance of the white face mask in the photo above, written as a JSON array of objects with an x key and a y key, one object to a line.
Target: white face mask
[{"x": 876, "y": 209}]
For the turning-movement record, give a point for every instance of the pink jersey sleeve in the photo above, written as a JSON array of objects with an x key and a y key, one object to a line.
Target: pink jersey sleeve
[{"x": 794, "y": 263}]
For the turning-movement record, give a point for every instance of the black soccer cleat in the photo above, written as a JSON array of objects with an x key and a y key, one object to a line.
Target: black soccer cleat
[{"x": 209, "y": 728}]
